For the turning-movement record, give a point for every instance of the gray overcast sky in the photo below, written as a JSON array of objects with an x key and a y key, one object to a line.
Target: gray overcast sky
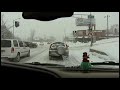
[{"x": 56, "y": 28}]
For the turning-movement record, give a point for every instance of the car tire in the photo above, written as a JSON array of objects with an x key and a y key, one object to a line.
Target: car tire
[
  {"x": 28, "y": 55},
  {"x": 17, "y": 58}
]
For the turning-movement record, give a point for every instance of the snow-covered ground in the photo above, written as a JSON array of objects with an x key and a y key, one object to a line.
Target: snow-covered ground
[
  {"x": 108, "y": 46},
  {"x": 38, "y": 43},
  {"x": 77, "y": 44},
  {"x": 111, "y": 49},
  {"x": 104, "y": 41}
]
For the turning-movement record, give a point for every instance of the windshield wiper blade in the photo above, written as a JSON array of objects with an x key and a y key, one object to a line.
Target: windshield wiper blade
[
  {"x": 44, "y": 64},
  {"x": 105, "y": 63}
]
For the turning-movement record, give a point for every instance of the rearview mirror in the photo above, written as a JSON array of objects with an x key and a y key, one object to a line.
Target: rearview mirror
[{"x": 45, "y": 16}]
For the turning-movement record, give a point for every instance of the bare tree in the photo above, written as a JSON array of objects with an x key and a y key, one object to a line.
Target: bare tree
[
  {"x": 5, "y": 33},
  {"x": 4, "y": 22}
]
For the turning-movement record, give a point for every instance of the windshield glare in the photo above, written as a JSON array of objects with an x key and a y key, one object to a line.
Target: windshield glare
[{"x": 96, "y": 33}]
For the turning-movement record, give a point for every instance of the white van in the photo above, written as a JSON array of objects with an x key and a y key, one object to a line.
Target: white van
[{"x": 14, "y": 49}]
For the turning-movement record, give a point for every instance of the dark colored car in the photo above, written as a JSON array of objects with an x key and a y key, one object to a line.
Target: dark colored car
[
  {"x": 58, "y": 49},
  {"x": 31, "y": 45},
  {"x": 34, "y": 45}
]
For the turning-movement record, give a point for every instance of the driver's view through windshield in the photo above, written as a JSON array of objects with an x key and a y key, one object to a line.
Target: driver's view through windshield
[{"x": 79, "y": 40}]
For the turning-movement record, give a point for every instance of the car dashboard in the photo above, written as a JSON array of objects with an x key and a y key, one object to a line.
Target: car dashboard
[{"x": 38, "y": 72}]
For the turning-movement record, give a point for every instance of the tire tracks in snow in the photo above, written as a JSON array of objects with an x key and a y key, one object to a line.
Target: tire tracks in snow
[
  {"x": 27, "y": 59},
  {"x": 71, "y": 61}
]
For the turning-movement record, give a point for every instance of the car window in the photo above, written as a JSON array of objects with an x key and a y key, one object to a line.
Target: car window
[
  {"x": 21, "y": 43},
  {"x": 5, "y": 43},
  {"x": 15, "y": 43}
]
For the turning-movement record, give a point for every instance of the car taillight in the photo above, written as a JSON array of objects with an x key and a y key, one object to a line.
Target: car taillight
[{"x": 12, "y": 50}]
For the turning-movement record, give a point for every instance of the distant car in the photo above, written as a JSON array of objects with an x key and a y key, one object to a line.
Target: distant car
[
  {"x": 41, "y": 43},
  {"x": 58, "y": 49},
  {"x": 49, "y": 43},
  {"x": 33, "y": 45},
  {"x": 27, "y": 43},
  {"x": 14, "y": 49}
]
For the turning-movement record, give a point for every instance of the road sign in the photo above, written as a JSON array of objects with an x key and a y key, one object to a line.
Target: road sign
[{"x": 85, "y": 22}]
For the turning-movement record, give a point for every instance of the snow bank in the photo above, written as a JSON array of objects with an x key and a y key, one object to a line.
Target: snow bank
[
  {"x": 77, "y": 44},
  {"x": 111, "y": 48},
  {"x": 78, "y": 54},
  {"x": 104, "y": 41},
  {"x": 108, "y": 46}
]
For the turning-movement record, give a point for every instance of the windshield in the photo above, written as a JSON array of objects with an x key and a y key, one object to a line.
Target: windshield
[{"x": 96, "y": 33}]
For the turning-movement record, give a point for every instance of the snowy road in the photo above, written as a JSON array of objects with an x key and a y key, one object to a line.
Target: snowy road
[
  {"x": 41, "y": 55},
  {"x": 33, "y": 53}
]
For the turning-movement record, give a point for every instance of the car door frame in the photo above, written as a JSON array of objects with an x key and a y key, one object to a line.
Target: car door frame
[
  {"x": 26, "y": 49},
  {"x": 21, "y": 48},
  {"x": 17, "y": 49}
]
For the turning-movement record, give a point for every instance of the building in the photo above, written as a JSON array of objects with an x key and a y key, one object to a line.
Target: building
[
  {"x": 85, "y": 36},
  {"x": 114, "y": 30}
]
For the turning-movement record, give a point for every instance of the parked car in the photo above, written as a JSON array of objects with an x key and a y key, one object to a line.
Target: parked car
[
  {"x": 14, "y": 49},
  {"x": 58, "y": 49}
]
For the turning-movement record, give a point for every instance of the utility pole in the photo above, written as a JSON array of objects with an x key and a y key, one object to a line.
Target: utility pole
[
  {"x": 107, "y": 25},
  {"x": 91, "y": 31},
  {"x": 13, "y": 29}
]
